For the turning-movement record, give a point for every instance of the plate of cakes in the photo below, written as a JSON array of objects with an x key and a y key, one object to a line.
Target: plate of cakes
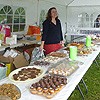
[
  {"x": 54, "y": 57},
  {"x": 79, "y": 45},
  {"x": 49, "y": 85},
  {"x": 85, "y": 51},
  {"x": 51, "y": 59},
  {"x": 27, "y": 74},
  {"x": 65, "y": 68},
  {"x": 57, "y": 54},
  {"x": 41, "y": 63},
  {"x": 9, "y": 92}
]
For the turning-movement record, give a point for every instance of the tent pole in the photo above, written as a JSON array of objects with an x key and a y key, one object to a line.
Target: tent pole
[
  {"x": 37, "y": 23},
  {"x": 66, "y": 15}
]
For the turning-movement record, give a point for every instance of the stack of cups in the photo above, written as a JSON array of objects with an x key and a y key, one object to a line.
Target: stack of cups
[
  {"x": 73, "y": 52},
  {"x": 88, "y": 41}
]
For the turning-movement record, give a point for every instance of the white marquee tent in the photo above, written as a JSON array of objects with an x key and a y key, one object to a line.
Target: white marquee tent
[
  {"x": 74, "y": 14},
  {"x": 68, "y": 10}
]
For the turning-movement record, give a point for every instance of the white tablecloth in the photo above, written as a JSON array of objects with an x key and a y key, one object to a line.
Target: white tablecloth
[{"x": 73, "y": 80}]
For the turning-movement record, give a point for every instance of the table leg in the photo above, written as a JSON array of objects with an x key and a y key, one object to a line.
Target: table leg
[
  {"x": 98, "y": 57},
  {"x": 96, "y": 63},
  {"x": 84, "y": 85},
  {"x": 78, "y": 87}
]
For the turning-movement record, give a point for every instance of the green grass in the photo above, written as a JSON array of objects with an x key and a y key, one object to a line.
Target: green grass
[{"x": 92, "y": 80}]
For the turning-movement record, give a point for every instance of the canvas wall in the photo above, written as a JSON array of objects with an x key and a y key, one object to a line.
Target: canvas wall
[
  {"x": 33, "y": 9},
  {"x": 74, "y": 11}
]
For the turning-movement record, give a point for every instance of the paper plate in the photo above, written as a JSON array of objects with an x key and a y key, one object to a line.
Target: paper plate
[{"x": 43, "y": 70}]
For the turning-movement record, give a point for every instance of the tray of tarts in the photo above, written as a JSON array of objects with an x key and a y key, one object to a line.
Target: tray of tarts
[
  {"x": 57, "y": 54},
  {"x": 79, "y": 45},
  {"x": 27, "y": 74},
  {"x": 48, "y": 86},
  {"x": 9, "y": 92}
]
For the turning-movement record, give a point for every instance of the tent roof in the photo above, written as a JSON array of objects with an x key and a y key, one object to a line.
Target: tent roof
[
  {"x": 85, "y": 3},
  {"x": 60, "y": 2},
  {"x": 75, "y": 2}
]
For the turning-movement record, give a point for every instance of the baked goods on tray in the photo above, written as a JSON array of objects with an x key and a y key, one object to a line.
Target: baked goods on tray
[
  {"x": 51, "y": 59},
  {"x": 64, "y": 69},
  {"x": 27, "y": 74},
  {"x": 95, "y": 36},
  {"x": 9, "y": 91},
  {"x": 48, "y": 86},
  {"x": 41, "y": 63},
  {"x": 57, "y": 54},
  {"x": 79, "y": 45},
  {"x": 85, "y": 51}
]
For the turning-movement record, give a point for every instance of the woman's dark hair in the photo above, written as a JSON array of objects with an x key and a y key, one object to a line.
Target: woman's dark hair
[
  {"x": 97, "y": 18},
  {"x": 99, "y": 15},
  {"x": 96, "y": 23},
  {"x": 49, "y": 13}
]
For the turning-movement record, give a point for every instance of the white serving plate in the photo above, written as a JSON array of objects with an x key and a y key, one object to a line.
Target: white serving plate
[{"x": 28, "y": 80}]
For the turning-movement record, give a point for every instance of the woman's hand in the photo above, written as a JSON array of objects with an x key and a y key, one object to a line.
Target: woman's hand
[
  {"x": 41, "y": 47},
  {"x": 62, "y": 43}
]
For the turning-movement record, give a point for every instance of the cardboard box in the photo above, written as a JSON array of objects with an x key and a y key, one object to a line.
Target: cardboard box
[
  {"x": 13, "y": 63},
  {"x": 9, "y": 63},
  {"x": 20, "y": 61}
]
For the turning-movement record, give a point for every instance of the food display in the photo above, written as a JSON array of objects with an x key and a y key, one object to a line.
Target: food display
[
  {"x": 49, "y": 85},
  {"x": 51, "y": 59},
  {"x": 79, "y": 45},
  {"x": 41, "y": 63},
  {"x": 95, "y": 36},
  {"x": 10, "y": 91},
  {"x": 64, "y": 69},
  {"x": 26, "y": 74},
  {"x": 96, "y": 42},
  {"x": 85, "y": 51},
  {"x": 57, "y": 54}
]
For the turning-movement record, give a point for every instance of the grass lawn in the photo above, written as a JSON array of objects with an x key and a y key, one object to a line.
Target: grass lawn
[{"x": 92, "y": 80}]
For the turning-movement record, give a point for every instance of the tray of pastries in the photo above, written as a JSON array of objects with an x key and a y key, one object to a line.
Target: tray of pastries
[
  {"x": 85, "y": 51},
  {"x": 51, "y": 59},
  {"x": 64, "y": 68},
  {"x": 41, "y": 63},
  {"x": 9, "y": 92},
  {"x": 95, "y": 36},
  {"x": 57, "y": 54},
  {"x": 49, "y": 85},
  {"x": 27, "y": 74},
  {"x": 79, "y": 45}
]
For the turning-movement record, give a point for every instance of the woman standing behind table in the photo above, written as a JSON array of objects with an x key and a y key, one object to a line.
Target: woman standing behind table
[
  {"x": 97, "y": 22},
  {"x": 52, "y": 38}
]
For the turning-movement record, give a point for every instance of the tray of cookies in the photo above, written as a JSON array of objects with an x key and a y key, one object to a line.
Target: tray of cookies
[
  {"x": 27, "y": 74},
  {"x": 9, "y": 92},
  {"x": 85, "y": 51},
  {"x": 57, "y": 54},
  {"x": 41, "y": 63},
  {"x": 79, "y": 45},
  {"x": 51, "y": 59},
  {"x": 64, "y": 68},
  {"x": 48, "y": 86}
]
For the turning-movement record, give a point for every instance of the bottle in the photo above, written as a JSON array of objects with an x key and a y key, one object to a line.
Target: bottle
[{"x": 3, "y": 33}]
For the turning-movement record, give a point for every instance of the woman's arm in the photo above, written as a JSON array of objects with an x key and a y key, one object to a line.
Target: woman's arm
[
  {"x": 42, "y": 45},
  {"x": 61, "y": 31},
  {"x": 44, "y": 35},
  {"x": 61, "y": 42}
]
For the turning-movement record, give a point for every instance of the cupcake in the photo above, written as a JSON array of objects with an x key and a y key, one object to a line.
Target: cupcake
[{"x": 39, "y": 90}]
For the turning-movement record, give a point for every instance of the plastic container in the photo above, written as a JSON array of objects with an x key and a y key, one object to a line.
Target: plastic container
[{"x": 73, "y": 52}]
